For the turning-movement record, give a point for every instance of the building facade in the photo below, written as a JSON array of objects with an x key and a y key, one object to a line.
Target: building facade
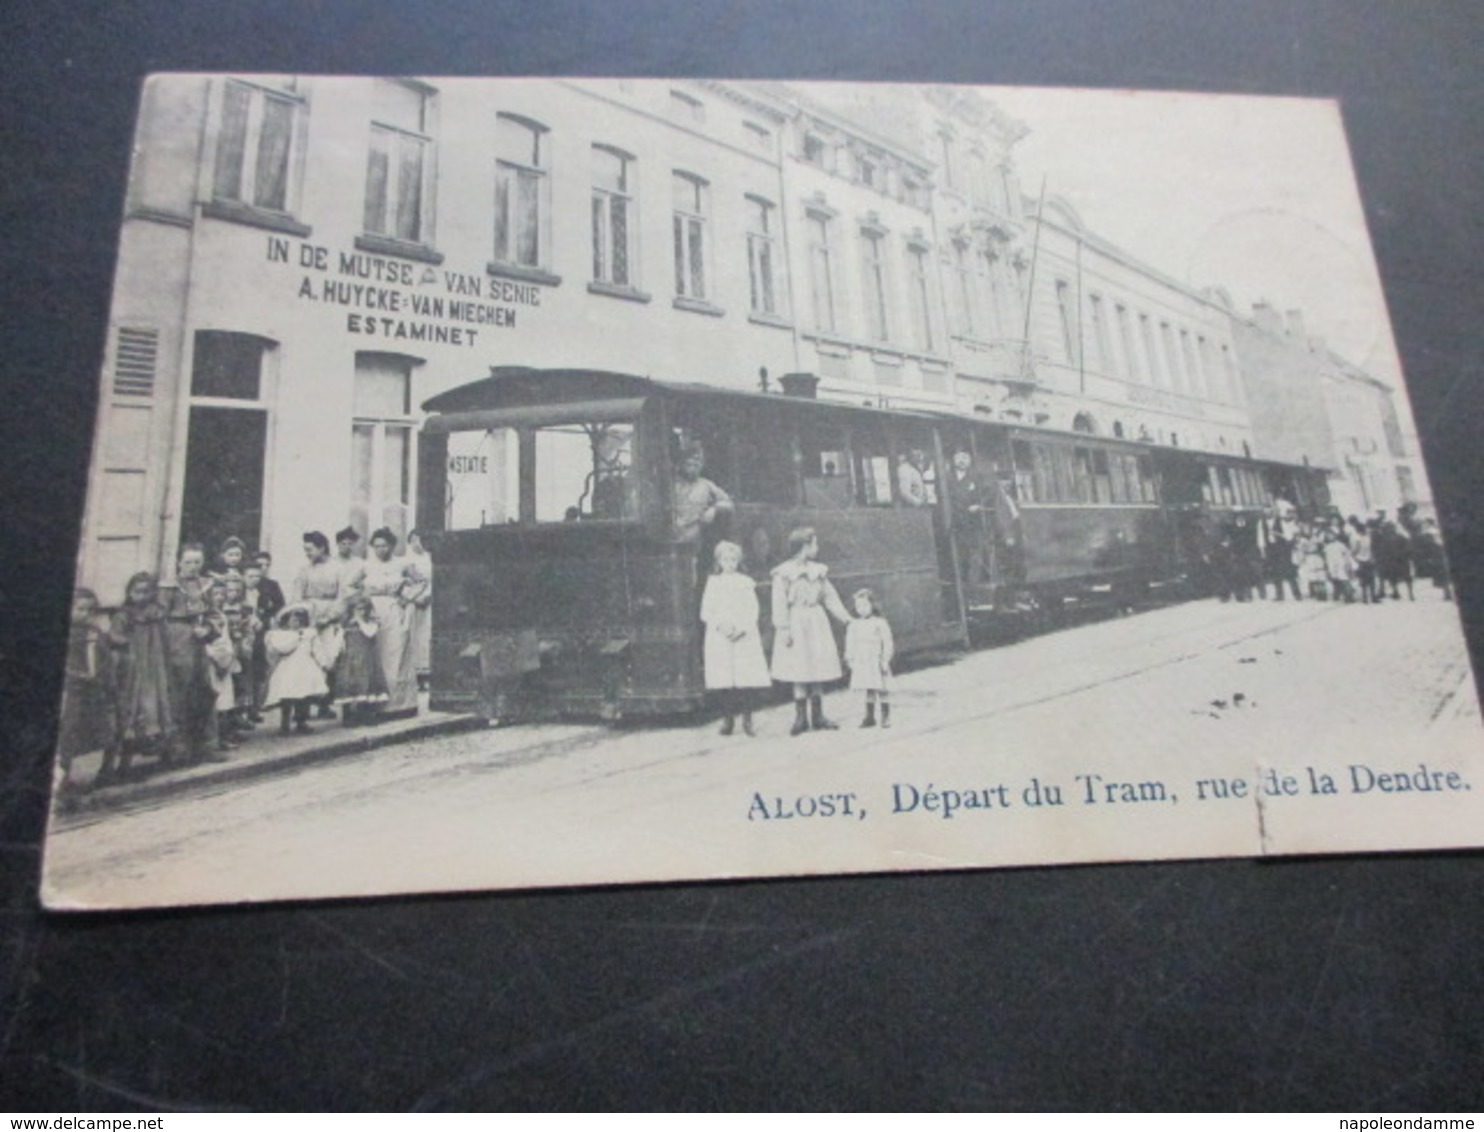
[
  {"x": 1310, "y": 406},
  {"x": 305, "y": 260}
]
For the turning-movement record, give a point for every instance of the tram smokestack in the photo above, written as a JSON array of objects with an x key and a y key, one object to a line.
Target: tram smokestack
[{"x": 804, "y": 385}]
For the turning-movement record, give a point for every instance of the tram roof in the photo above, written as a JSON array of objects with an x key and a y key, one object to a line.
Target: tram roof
[
  {"x": 520, "y": 386},
  {"x": 527, "y": 386}
]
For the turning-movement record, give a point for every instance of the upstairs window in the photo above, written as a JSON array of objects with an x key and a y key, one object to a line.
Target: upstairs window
[
  {"x": 760, "y": 136},
  {"x": 255, "y": 148},
  {"x": 686, "y": 107},
  {"x": 762, "y": 255},
  {"x": 522, "y": 190},
  {"x": 613, "y": 209},
  {"x": 922, "y": 318},
  {"x": 399, "y": 162},
  {"x": 690, "y": 200},
  {"x": 874, "y": 287},
  {"x": 821, "y": 270}
]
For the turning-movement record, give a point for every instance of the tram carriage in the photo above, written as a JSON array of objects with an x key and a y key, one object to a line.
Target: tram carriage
[{"x": 546, "y": 499}]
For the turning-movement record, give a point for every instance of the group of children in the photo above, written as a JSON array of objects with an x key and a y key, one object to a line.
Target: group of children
[
  {"x": 181, "y": 673},
  {"x": 805, "y": 654}
]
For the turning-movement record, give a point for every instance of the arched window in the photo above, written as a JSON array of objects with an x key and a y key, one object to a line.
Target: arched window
[{"x": 1085, "y": 422}]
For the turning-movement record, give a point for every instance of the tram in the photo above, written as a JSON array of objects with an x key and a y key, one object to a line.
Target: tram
[{"x": 565, "y": 586}]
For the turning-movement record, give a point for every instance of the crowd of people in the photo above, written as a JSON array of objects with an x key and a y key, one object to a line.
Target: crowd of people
[
  {"x": 1328, "y": 558},
  {"x": 183, "y": 673}
]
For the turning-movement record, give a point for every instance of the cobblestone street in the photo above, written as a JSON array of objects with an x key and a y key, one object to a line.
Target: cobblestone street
[{"x": 1200, "y": 730}]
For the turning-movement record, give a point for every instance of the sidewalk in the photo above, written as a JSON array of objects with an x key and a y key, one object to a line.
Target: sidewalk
[{"x": 264, "y": 751}]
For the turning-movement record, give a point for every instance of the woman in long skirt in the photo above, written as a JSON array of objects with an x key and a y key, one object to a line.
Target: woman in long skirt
[
  {"x": 386, "y": 583},
  {"x": 144, "y": 712}
]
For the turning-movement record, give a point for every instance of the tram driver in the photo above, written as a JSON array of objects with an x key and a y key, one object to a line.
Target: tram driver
[{"x": 699, "y": 503}]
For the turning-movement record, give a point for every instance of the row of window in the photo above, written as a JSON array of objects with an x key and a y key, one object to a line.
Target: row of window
[
  {"x": 1233, "y": 487},
  {"x": 1059, "y": 473},
  {"x": 1160, "y": 353}
]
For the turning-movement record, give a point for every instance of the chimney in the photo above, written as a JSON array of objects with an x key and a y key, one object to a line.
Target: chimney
[
  {"x": 804, "y": 385},
  {"x": 1267, "y": 319}
]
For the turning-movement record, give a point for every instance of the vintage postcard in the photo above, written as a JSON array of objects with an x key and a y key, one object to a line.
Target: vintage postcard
[{"x": 511, "y": 483}]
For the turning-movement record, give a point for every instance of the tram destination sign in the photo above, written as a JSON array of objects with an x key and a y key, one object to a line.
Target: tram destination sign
[{"x": 549, "y": 482}]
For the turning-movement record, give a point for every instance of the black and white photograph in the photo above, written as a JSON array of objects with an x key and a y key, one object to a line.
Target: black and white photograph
[{"x": 526, "y": 483}]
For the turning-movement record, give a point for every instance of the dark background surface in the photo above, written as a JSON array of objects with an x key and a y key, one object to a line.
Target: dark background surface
[{"x": 1353, "y": 983}]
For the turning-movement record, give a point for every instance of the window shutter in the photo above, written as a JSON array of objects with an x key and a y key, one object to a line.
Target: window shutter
[{"x": 135, "y": 361}]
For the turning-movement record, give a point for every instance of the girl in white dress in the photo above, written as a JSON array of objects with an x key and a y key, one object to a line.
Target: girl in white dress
[
  {"x": 734, "y": 648},
  {"x": 869, "y": 649},
  {"x": 298, "y": 680}
]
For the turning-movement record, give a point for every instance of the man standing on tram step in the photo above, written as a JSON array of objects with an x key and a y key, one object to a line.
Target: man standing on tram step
[
  {"x": 1275, "y": 533},
  {"x": 969, "y": 500},
  {"x": 699, "y": 503}
]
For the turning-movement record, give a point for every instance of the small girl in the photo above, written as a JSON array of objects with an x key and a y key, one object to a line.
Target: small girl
[
  {"x": 804, "y": 650},
  {"x": 298, "y": 681},
  {"x": 360, "y": 685},
  {"x": 868, "y": 653},
  {"x": 734, "y": 648},
  {"x": 145, "y": 715}
]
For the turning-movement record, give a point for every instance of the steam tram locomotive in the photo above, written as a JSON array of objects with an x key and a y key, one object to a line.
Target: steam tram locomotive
[{"x": 546, "y": 499}]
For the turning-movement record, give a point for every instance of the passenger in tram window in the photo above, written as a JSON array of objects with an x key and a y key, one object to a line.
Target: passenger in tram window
[
  {"x": 734, "y": 661},
  {"x": 911, "y": 483},
  {"x": 804, "y": 651},
  {"x": 869, "y": 650},
  {"x": 699, "y": 503},
  {"x": 969, "y": 500}
]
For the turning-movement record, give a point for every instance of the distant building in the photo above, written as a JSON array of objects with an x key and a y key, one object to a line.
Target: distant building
[{"x": 1310, "y": 406}]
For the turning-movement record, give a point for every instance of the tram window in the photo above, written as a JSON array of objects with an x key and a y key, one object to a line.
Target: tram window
[
  {"x": 1082, "y": 475},
  {"x": 1047, "y": 487},
  {"x": 873, "y": 468},
  {"x": 1148, "y": 484},
  {"x": 483, "y": 487},
  {"x": 1027, "y": 482},
  {"x": 826, "y": 468},
  {"x": 1102, "y": 478},
  {"x": 765, "y": 461},
  {"x": 1118, "y": 478},
  {"x": 1224, "y": 486},
  {"x": 583, "y": 471}
]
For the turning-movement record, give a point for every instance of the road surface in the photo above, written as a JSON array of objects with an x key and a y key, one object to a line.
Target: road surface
[{"x": 1206, "y": 729}]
